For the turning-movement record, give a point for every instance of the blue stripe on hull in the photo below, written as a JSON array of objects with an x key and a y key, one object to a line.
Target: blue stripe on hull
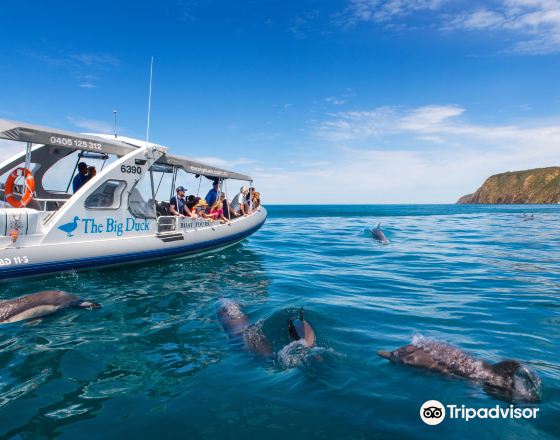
[{"x": 84, "y": 263}]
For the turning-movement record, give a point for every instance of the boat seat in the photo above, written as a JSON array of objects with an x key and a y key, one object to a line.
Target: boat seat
[
  {"x": 162, "y": 208},
  {"x": 140, "y": 207}
]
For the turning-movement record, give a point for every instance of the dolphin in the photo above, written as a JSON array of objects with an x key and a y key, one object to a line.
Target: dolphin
[
  {"x": 232, "y": 318},
  {"x": 378, "y": 234},
  {"x": 508, "y": 378},
  {"x": 236, "y": 324},
  {"x": 251, "y": 337},
  {"x": 40, "y": 304},
  {"x": 300, "y": 329}
]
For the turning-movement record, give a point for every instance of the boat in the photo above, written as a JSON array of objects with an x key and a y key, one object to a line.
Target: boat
[{"x": 114, "y": 219}]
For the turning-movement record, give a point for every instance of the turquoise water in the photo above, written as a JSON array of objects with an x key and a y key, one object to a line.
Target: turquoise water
[{"x": 154, "y": 361}]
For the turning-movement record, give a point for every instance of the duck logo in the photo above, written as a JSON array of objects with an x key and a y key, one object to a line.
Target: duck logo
[
  {"x": 432, "y": 412},
  {"x": 70, "y": 227}
]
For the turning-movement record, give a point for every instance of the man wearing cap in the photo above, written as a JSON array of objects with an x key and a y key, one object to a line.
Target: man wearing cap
[
  {"x": 212, "y": 195},
  {"x": 238, "y": 203},
  {"x": 81, "y": 177},
  {"x": 178, "y": 205}
]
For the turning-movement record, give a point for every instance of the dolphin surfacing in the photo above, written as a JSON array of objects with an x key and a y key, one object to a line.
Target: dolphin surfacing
[
  {"x": 510, "y": 377},
  {"x": 40, "y": 304},
  {"x": 251, "y": 336},
  {"x": 236, "y": 324},
  {"x": 232, "y": 318},
  {"x": 378, "y": 235}
]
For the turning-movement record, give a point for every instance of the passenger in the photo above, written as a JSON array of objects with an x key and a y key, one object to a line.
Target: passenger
[
  {"x": 212, "y": 195},
  {"x": 178, "y": 205},
  {"x": 192, "y": 201},
  {"x": 91, "y": 172},
  {"x": 216, "y": 210},
  {"x": 255, "y": 199},
  {"x": 249, "y": 195},
  {"x": 238, "y": 205},
  {"x": 200, "y": 210},
  {"x": 226, "y": 207},
  {"x": 81, "y": 177}
]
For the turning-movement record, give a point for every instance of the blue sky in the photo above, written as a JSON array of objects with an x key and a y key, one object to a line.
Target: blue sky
[{"x": 349, "y": 101}]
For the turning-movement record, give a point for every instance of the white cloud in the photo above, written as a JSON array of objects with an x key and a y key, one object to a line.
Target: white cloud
[
  {"x": 334, "y": 100},
  {"x": 92, "y": 125},
  {"x": 224, "y": 163},
  {"x": 480, "y": 19},
  {"x": 95, "y": 59},
  {"x": 357, "y": 124},
  {"x": 386, "y": 120},
  {"x": 83, "y": 66},
  {"x": 383, "y": 11},
  {"x": 75, "y": 59},
  {"x": 528, "y": 26},
  {"x": 534, "y": 23},
  {"x": 303, "y": 24},
  {"x": 429, "y": 118},
  {"x": 430, "y": 154},
  {"x": 442, "y": 121},
  {"x": 396, "y": 176}
]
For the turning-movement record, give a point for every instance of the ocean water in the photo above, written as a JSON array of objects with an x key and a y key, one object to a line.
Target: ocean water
[{"x": 154, "y": 361}]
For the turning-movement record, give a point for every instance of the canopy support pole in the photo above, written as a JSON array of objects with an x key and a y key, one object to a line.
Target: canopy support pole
[
  {"x": 251, "y": 196},
  {"x": 227, "y": 203},
  {"x": 159, "y": 184},
  {"x": 103, "y": 164},
  {"x": 74, "y": 171},
  {"x": 199, "y": 182},
  {"x": 173, "y": 183},
  {"x": 28, "y": 155},
  {"x": 153, "y": 193}
]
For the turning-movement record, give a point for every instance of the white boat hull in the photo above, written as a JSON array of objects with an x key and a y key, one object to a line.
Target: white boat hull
[{"x": 74, "y": 255}]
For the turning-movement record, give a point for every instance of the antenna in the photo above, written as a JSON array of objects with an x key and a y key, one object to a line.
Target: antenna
[
  {"x": 115, "y": 121},
  {"x": 149, "y": 102}
]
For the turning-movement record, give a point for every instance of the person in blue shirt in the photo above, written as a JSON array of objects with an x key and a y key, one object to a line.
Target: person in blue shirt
[
  {"x": 81, "y": 177},
  {"x": 212, "y": 195},
  {"x": 178, "y": 205}
]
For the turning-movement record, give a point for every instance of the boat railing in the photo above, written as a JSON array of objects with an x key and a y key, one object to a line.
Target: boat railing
[{"x": 52, "y": 203}]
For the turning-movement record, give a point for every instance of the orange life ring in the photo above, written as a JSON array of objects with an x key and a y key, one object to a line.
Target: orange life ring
[{"x": 29, "y": 188}]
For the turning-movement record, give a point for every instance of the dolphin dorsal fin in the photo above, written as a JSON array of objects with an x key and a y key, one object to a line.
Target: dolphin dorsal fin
[
  {"x": 301, "y": 314},
  {"x": 379, "y": 225}
]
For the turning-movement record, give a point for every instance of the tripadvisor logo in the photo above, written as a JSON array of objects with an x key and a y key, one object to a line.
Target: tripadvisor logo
[{"x": 432, "y": 412}]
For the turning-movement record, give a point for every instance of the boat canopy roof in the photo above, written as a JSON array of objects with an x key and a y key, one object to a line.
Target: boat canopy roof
[
  {"x": 104, "y": 144},
  {"x": 36, "y": 134},
  {"x": 193, "y": 167}
]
